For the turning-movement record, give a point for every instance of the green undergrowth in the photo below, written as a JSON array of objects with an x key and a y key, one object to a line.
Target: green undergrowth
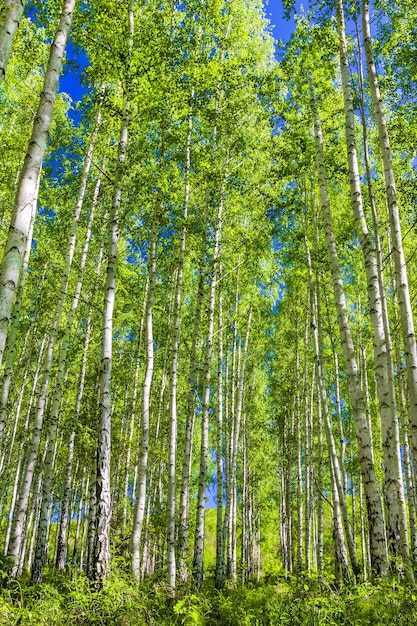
[{"x": 303, "y": 601}]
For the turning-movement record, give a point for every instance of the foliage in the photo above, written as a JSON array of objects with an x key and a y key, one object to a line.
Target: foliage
[{"x": 306, "y": 601}]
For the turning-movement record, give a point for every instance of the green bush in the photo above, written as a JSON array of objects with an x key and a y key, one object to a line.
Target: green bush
[{"x": 307, "y": 601}]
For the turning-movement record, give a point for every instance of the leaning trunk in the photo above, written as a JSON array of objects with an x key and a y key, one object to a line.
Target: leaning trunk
[{"x": 26, "y": 196}]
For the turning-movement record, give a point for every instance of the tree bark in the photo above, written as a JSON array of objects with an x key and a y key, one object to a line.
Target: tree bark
[
  {"x": 182, "y": 544},
  {"x": 103, "y": 506},
  {"x": 198, "y": 560},
  {"x": 378, "y": 544},
  {"x": 384, "y": 382},
  {"x": 339, "y": 497},
  {"x": 219, "y": 576},
  {"x": 146, "y": 396},
  {"x": 10, "y": 16},
  {"x": 403, "y": 293},
  {"x": 11, "y": 339},
  {"x": 174, "y": 365},
  {"x": 26, "y": 197}
]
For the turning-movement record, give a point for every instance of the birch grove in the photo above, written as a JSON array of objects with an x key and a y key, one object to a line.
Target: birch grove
[{"x": 207, "y": 295}]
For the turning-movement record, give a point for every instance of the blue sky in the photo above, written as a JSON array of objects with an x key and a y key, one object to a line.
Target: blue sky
[{"x": 282, "y": 27}]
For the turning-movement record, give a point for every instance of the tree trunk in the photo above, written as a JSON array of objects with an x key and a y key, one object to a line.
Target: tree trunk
[
  {"x": 11, "y": 339},
  {"x": 62, "y": 547},
  {"x": 384, "y": 383},
  {"x": 10, "y": 16},
  {"x": 219, "y": 576},
  {"x": 174, "y": 366},
  {"x": 198, "y": 560},
  {"x": 189, "y": 427},
  {"x": 146, "y": 396},
  {"x": 403, "y": 294},
  {"x": 26, "y": 197},
  {"x": 339, "y": 498},
  {"x": 43, "y": 396},
  {"x": 375, "y": 515},
  {"x": 103, "y": 501}
]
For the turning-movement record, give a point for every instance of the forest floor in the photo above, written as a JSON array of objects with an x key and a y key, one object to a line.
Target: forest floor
[{"x": 298, "y": 602}]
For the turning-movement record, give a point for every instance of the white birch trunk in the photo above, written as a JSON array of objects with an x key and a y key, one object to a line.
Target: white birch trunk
[
  {"x": 91, "y": 531},
  {"x": 403, "y": 293},
  {"x": 319, "y": 482},
  {"x": 83, "y": 489},
  {"x": 298, "y": 427},
  {"x": 392, "y": 435},
  {"x": 219, "y": 577},
  {"x": 103, "y": 494},
  {"x": 101, "y": 558},
  {"x": 374, "y": 506},
  {"x": 146, "y": 397},
  {"x": 10, "y": 16},
  {"x": 61, "y": 550},
  {"x": 133, "y": 417},
  {"x": 339, "y": 497},
  {"x": 308, "y": 456},
  {"x": 189, "y": 427},
  {"x": 172, "y": 453},
  {"x": 26, "y": 198},
  {"x": 47, "y": 365},
  {"x": 394, "y": 492},
  {"x": 198, "y": 560},
  {"x": 11, "y": 339},
  {"x": 235, "y": 443}
]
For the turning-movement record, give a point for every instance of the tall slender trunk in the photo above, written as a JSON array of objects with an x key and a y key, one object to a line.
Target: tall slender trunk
[
  {"x": 219, "y": 576},
  {"x": 91, "y": 531},
  {"x": 411, "y": 493},
  {"x": 62, "y": 546},
  {"x": 11, "y": 338},
  {"x": 146, "y": 397},
  {"x": 319, "y": 481},
  {"x": 43, "y": 395},
  {"x": 230, "y": 413},
  {"x": 308, "y": 456},
  {"x": 182, "y": 544},
  {"x": 133, "y": 418},
  {"x": 101, "y": 559},
  {"x": 384, "y": 382},
  {"x": 103, "y": 506},
  {"x": 26, "y": 197},
  {"x": 235, "y": 443},
  {"x": 7, "y": 465},
  {"x": 174, "y": 365},
  {"x": 56, "y": 401},
  {"x": 80, "y": 511},
  {"x": 394, "y": 478},
  {"x": 198, "y": 560},
  {"x": 244, "y": 553},
  {"x": 10, "y": 16},
  {"x": 378, "y": 545},
  {"x": 298, "y": 427},
  {"x": 403, "y": 293},
  {"x": 339, "y": 497}
]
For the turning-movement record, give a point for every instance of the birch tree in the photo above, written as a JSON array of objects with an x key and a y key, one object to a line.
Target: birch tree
[
  {"x": 403, "y": 292},
  {"x": 374, "y": 506},
  {"x": 25, "y": 203},
  {"x": 10, "y": 15},
  {"x": 101, "y": 559}
]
